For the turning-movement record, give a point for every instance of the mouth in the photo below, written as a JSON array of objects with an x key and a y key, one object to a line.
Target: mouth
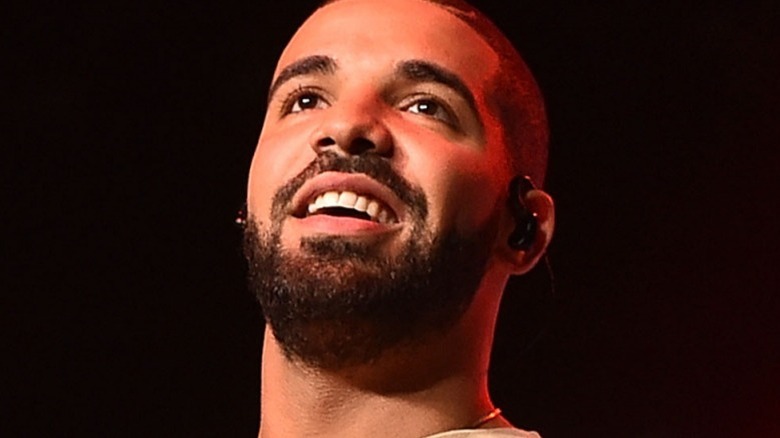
[
  {"x": 350, "y": 204},
  {"x": 349, "y": 196}
]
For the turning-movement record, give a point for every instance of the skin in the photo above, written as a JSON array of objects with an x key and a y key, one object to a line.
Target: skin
[{"x": 448, "y": 145}]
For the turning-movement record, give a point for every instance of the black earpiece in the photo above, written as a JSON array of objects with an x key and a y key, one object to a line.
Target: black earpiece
[{"x": 522, "y": 236}]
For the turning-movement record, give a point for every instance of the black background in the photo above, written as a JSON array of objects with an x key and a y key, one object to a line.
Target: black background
[{"x": 129, "y": 131}]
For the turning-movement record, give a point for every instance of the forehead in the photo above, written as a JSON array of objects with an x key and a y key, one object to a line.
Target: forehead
[{"x": 382, "y": 33}]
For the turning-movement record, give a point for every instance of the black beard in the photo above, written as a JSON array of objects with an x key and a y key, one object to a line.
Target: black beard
[{"x": 338, "y": 302}]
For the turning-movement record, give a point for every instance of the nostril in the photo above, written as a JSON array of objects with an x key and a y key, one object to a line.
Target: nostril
[
  {"x": 360, "y": 145},
  {"x": 354, "y": 146},
  {"x": 325, "y": 142}
]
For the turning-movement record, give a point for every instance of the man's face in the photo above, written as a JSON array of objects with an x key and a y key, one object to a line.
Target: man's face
[{"x": 378, "y": 149}]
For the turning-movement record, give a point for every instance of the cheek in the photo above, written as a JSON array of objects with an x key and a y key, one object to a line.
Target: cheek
[
  {"x": 278, "y": 158},
  {"x": 465, "y": 191}
]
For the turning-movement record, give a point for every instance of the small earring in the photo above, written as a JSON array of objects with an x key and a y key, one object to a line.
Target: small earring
[{"x": 240, "y": 219}]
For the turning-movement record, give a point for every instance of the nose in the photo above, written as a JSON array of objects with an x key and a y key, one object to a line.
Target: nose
[{"x": 353, "y": 128}]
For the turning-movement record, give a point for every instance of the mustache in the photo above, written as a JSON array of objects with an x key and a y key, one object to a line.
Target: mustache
[{"x": 370, "y": 165}]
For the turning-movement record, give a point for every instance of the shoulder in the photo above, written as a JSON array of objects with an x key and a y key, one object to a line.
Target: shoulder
[{"x": 487, "y": 433}]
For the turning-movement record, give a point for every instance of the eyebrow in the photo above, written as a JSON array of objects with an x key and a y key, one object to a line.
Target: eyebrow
[
  {"x": 304, "y": 66},
  {"x": 415, "y": 70}
]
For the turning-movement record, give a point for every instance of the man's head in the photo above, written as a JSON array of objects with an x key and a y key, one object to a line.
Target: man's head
[{"x": 378, "y": 192}]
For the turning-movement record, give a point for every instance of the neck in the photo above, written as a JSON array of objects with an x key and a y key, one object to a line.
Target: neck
[{"x": 418, "y": 391}]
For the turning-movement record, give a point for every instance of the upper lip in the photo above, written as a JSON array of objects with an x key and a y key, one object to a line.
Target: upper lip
[{"x": 358, "y": 183}]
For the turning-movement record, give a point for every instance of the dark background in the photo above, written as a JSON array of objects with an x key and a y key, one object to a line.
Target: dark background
[{"x": 129, "y": 130}]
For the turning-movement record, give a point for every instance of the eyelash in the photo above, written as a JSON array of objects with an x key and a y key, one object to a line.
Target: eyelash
[
  {"x": 450, "y": 119},
  {"x": 292, "y": 98}
]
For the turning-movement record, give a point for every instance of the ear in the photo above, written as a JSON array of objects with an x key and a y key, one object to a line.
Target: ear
[{"x": 520, "y": 261}]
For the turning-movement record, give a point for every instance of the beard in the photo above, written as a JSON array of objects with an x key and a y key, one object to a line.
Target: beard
[{"x": 339, "y": 302}]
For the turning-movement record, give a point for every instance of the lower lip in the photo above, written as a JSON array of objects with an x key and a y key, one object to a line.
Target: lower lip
[{"x": 340, "y": 225}]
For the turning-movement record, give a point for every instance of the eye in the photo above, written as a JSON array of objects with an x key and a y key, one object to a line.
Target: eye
[
  {"x": 302, "y": 100},
  {"x": 306, "y": 101},
  {"x": 432, "y": 108}
]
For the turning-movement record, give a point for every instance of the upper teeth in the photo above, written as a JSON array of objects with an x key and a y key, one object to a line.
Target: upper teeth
[{"x": 345, "y": 199}]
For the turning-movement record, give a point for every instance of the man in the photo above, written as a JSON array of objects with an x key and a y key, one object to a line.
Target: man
[{"x": 386, "y": 211}]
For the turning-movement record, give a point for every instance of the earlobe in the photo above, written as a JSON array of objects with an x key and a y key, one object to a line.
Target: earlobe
[{"x": 532, "y": 215}]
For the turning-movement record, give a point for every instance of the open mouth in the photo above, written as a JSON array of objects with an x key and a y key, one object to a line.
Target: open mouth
[{"x": 345, "y": 203}]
